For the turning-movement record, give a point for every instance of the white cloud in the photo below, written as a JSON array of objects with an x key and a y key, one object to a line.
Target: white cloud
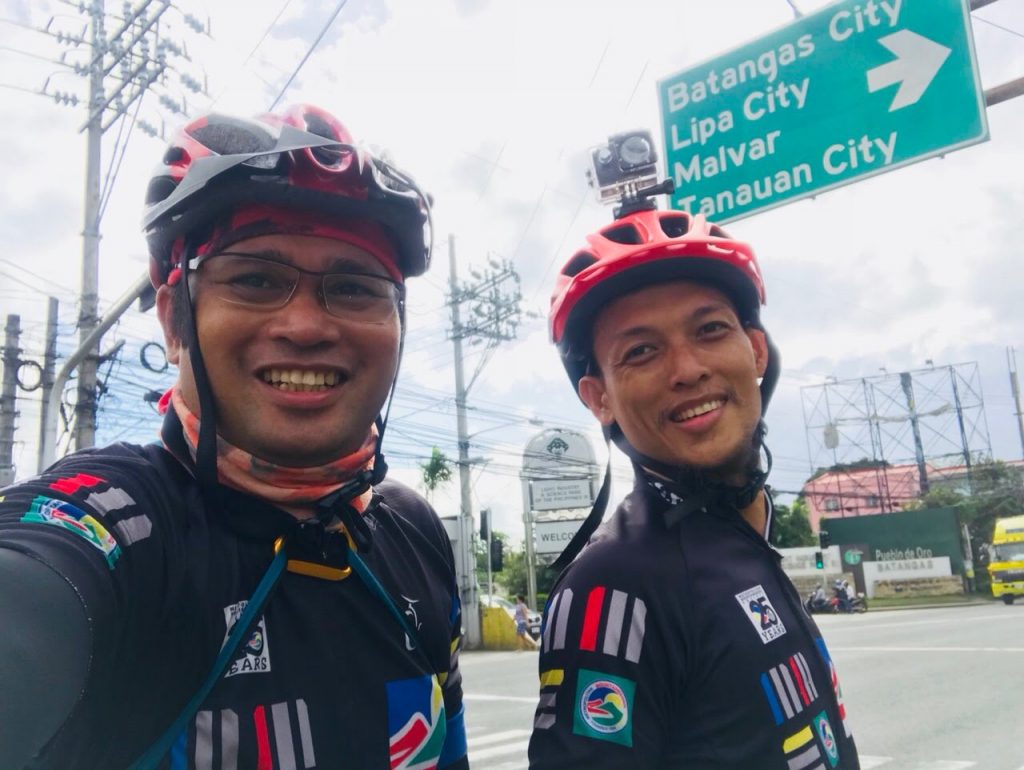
[{"x": 493, "y": 107}]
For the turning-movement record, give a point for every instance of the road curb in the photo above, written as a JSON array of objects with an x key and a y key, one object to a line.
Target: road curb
[{"x": 975, "y": 603}]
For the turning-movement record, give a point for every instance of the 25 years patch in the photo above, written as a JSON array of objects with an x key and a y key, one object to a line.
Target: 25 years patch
[{"x": 760, "y": 612}]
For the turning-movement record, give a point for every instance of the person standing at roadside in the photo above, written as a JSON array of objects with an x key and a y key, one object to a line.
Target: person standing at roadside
[
  {"x": 675, "y": 640},
  {"x": 251, "y": 592},
  {"x": 523, "y": 639}
]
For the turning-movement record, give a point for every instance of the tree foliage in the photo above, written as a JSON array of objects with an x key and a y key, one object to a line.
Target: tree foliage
[
  {"x": 791, "y": 525},
  {"x": 996, "y": 492},
  {"x": 436, "y": 471},
  {"x": 512, "y": 578}
]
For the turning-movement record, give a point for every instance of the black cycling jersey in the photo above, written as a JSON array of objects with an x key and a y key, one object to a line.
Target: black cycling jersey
[
  {"x": 327, "y": 678},
  {"x": 678, "y": 642}
]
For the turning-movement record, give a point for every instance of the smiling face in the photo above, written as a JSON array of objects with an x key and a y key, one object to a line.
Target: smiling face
[
  {"x": 295, "y": 385},
  {"x": 679, "y": 375}
]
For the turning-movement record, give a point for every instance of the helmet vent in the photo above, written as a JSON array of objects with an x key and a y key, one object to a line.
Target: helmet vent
[
  {"x": 160, "y": 188},
  {"x": 675, "y": 226},
  {"x": 226, "y": 136},
  {"x": 626, "y": 234},
  {"x": 173, "y": 155},
  {"x": 329, "y": 156},
  {"x": 578, "y": 264},
  {"x": 718, "y": 232}
]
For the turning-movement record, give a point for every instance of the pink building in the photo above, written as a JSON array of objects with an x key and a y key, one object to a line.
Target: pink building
[{"x": 861, "y": 491}]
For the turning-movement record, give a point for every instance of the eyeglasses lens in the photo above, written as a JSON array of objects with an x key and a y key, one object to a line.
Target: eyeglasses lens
[{"x": 267, "y": 284}]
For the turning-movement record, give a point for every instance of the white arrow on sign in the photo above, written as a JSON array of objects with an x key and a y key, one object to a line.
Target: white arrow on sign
[{"x": 917, "y": 61}]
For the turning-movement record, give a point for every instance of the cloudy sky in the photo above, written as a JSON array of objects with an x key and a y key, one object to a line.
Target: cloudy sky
[{"x": 493, "y": 106}]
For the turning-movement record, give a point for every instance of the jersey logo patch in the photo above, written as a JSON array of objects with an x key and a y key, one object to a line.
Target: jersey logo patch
[
  {"x": 760, "y": 612},
  {"x": 550, "y": 682},
  {"x": 604, "y": 707},
  {"x": 416, "y": 723},
  {"x": 57, "y": 513},
  {"x": 254, "y": 657},
  {"x": 828, "y": 740},
  {"x": 614, "y": 623},
  {"x": 789, "y": 688}
]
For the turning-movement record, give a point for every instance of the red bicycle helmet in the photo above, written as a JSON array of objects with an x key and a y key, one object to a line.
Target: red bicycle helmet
[
  {"x": 640, "y": 249},
  {"x": 303, "y": 158}
]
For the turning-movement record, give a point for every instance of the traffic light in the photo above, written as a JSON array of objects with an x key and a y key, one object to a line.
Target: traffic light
[
  {"x": 819, "y": 560},
  {"x": 497, "y": 555},
  {"x": 485, "y": 524},
  {"x": 824, "y": 539}
]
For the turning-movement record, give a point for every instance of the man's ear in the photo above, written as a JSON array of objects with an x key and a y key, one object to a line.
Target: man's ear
[
  {"x": 165, "y": 308},
  {"x": 595, "y": 395},
  {"x": 759, "y": 342}
]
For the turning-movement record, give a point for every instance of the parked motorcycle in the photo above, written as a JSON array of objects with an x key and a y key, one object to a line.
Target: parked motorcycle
[{"x": 818, "y": 603}]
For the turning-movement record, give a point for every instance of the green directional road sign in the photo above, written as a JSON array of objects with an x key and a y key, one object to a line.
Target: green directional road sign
[{"x": 855, "y": 89}]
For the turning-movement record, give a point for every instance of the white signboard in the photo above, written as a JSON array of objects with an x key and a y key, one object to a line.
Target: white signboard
[
  {"x": 904, "y": 569},
  {"x": 554, "y": 536},
  {"x": 558, "y": 453},
  {"x": 559, "y": 494}
]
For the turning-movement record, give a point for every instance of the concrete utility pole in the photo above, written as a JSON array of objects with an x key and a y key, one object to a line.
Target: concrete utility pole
[
  {"x": 88, "y": 315},
  {"x": 467, "y": 578},
  {"x": 47, "y": 379},
  {"x": 8, "y": 398},
  {"x": 1011, "y": 362},
  {"x": 494, "y": 317},
  {"x": 122, "y": 66}
]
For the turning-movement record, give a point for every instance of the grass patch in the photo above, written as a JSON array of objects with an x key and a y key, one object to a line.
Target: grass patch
[{"x": 917, "y": 601}]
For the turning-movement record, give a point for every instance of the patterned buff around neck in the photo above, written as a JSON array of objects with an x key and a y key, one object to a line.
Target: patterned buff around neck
[{"x": 279, "y": 484}]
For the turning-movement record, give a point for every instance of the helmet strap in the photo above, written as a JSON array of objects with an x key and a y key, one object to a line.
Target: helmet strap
[{"x": 206, "y": 446}]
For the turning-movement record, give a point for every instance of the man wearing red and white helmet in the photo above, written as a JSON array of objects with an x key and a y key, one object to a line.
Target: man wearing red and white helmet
[
  {"x": 673, "y": 639},
  {"x": 251, "y": 592}
]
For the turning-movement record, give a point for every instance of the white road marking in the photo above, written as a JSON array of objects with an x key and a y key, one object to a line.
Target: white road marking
[
  {"x": 948, "y": 764},
  {"x": 865, "y": 622},
  {"x": 483, "y": 740},
  {"x": 497, "y": 751},
  {"x": 848, "y": 648},
  {"x": 868, "y": 762},
  {"x": 513, "y": 698}
]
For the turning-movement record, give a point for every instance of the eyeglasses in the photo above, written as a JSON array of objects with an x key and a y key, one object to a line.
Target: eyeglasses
[{"x": 267, "y": 284}]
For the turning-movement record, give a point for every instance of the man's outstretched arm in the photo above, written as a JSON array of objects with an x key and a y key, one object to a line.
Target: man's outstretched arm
[{"x": 45, "y": 649}]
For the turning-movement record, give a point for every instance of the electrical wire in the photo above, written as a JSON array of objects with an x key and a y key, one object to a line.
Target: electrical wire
[{"x": 309, "y": 53}]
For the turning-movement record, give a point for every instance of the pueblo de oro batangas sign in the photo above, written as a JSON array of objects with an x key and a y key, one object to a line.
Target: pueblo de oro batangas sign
[{"x": 855, "y": 89}]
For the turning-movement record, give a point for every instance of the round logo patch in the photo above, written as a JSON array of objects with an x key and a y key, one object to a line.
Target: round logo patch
[{"x": 604, "y": 707}]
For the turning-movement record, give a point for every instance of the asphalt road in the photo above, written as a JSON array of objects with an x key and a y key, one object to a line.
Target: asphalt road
[{"x": 938, "y": 689}]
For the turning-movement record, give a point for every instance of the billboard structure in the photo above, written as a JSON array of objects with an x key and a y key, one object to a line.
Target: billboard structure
[{"x": 875, "y": 443}]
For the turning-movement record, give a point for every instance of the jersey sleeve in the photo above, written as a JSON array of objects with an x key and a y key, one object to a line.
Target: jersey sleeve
[
  {"x": 90, "y": 532},
  {"x": 419, "y": 513},
  {"x": 608, "y": 680}
]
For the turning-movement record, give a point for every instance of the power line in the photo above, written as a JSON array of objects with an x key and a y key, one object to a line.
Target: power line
[{"x": 309, "y": 53}]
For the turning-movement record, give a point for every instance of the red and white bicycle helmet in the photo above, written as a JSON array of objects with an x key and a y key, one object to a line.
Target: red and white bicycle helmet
[
  {"x": 303, "y": 158},
  {"x": 640, "y": 249}
]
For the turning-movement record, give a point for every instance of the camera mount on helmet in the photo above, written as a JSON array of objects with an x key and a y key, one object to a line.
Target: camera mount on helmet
[{"x": 624, "y": 171}]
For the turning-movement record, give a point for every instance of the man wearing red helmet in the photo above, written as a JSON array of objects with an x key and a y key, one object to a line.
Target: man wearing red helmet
[
  {"x": 251, "y": 592},
  {"x": 674, "y": 639}
]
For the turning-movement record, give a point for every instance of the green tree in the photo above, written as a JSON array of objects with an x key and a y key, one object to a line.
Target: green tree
[
  {"x": 791, "y": 525},
  {"x": 996, "y": 491},
  {"x": 436, "y": 471},
  {"x": 512, "y": 578}
]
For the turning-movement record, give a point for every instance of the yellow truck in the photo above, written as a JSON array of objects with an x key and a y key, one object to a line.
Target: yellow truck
[{"x": 1006, "y": 565}]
